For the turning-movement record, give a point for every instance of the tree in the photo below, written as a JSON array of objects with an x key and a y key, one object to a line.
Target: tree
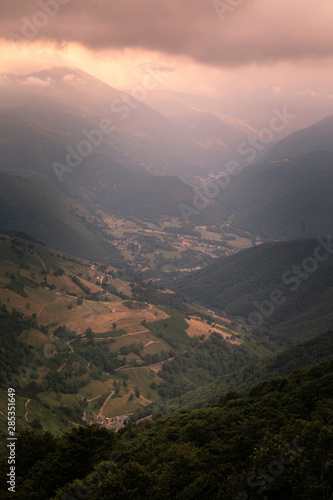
[
  {"x": 89, "y": 333},
  {"x": 36, "y": 424},
  {"x": 59, "y": 272},
  {"x": 76, "y": 452}
]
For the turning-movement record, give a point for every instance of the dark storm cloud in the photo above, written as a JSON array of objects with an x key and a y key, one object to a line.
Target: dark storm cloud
[{"x": 232, "y": 32}]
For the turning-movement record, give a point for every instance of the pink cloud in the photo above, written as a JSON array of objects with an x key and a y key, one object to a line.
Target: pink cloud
[{"x": 257, "y": 31}]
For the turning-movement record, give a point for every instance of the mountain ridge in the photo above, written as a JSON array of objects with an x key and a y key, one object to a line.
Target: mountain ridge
[
  {"x": 91, "y": 98},
  {"x": 317, "y": 137}
]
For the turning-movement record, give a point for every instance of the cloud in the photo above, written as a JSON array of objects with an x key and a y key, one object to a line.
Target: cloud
[
  {"x": 5, "y": 79},
  {"x": 32, "y": 80},
  {"x": 146, "y": 66},
  {"x": 71, "y": 79},
  {"x": 257, "y": 31}
]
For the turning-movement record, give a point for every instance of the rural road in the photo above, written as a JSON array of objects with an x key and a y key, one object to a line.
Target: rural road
[
  {"x": 105, "y": 403},
  {"x": 42, "y": 262},
  {"x": 26, "y": 410}
]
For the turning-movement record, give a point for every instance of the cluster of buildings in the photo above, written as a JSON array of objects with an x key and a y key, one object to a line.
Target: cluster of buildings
[{"x": 113, "y": 423}]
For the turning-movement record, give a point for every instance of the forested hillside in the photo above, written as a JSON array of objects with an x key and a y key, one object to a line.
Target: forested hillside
[
  {"x": 282, "y": 363},
  {"x": 285, "y": 198},
  {"x": 274, "y": 442},
  {"x": 283, "y": 290}
]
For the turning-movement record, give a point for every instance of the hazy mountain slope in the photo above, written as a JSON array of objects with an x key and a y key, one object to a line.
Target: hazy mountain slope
[
  {"x": 283, "y": 199},
  {"x": 143, "y": 138},
  {"x": 48, "y": 217},
  {"x": 240, "y": 283},
  {"x": 318, "y": 137},
  {"x": 41, "y": 123},
  {"x": 305, "y": 211},
  {"x": 124, "y": 190},
  {"x": 219, "y": 135}
]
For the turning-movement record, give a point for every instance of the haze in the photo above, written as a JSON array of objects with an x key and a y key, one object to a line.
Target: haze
[{"x": 236, "y": 58}]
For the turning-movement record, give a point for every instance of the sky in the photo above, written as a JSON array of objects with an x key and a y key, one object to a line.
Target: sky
[{"x": 238, "y": 57}]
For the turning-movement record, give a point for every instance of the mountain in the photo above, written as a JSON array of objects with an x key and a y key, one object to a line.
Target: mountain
[
  {"x": 123, "y": 190},
  {"x": 219, "y": 135},
  {"x": 283, "y": 199},
  {"x": 318, "y": 137},
  {"x": 61, "y": 120},
  {"x": 64, "y": 102},
  {"x": 53, "y": 219},
  {"x": 284, "y": 290}
]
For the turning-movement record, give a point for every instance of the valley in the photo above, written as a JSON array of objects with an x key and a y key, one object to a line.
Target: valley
[
  {"x": 121, "y": 307},
  {"x": 94, "y": 349},
  {"x": 128, "y": 305},
  {"x": 171, "y": 246},
  {"x": 147, "y": 305}
]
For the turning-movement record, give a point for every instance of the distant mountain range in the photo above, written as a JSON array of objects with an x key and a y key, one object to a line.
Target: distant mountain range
[
  {"x": 48, "y": 126},
  {"x": 97, "y": 146},
  {"x": 62, "y": 102}
]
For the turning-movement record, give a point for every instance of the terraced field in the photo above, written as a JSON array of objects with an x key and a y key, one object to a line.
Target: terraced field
[{"x": 97, "y": 357}]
